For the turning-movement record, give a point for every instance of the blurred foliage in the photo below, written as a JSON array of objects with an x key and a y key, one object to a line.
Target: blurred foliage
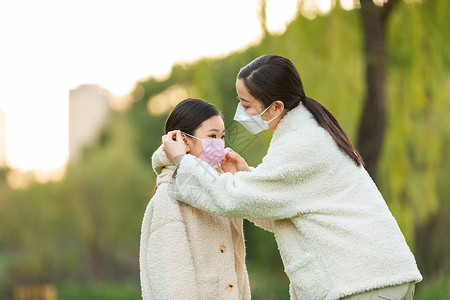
[
  {"x": 86, "y": 228},
  {"x": 263, "y": 287},
  {"x": 127, "y": 290},
  {"x": 436, "y": 290},
  {"x": 419, "y": 126}
]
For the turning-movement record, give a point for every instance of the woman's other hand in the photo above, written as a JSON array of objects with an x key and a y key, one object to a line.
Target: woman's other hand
[
  {"x": 233, "y": 163},
  {"x": 173, "y": 144}
]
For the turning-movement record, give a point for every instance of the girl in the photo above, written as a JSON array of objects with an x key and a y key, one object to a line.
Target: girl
[
  {"x": 336, "y": 235},
  {"x": 186, "y": 253}
]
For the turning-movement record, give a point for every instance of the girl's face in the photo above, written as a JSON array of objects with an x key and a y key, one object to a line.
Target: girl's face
[{"x": 212, "y": 128}]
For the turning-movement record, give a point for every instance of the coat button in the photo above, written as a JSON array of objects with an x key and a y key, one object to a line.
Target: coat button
[
  {"x": 230, "y": 288},
  {"x": 223, "y": 249}
]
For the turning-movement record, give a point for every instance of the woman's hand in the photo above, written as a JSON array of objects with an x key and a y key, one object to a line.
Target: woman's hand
[
  {"x": 233, "y": 163},
  {"x": 173, "y": 144}
]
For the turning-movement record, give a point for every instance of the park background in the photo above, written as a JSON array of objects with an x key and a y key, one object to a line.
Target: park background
[{"x": 80, "y": 233}]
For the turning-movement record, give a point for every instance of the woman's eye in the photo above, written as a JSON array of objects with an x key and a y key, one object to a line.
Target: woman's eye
[
  {"x": 223, "y": 137},
  {"x": 213, "y": 136}
]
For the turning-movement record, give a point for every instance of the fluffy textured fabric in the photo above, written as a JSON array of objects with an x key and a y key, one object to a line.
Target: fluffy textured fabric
[
  {"x": 186, "y": 253},
  {"x": 162, "y": 166},
  {"x": 335, "y": 233}
]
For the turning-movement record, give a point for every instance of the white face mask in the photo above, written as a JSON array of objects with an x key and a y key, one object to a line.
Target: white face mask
[{"x": 254, "y": 124}]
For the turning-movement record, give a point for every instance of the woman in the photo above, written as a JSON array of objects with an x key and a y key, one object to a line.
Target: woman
[
  {"x": 186, "y": 253},
  {"x": 335, "y": 233}
]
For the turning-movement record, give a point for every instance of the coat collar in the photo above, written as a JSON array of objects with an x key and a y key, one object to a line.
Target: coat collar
[{"x": 293, "y": 120}]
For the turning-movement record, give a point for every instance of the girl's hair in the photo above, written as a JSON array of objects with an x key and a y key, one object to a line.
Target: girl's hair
[
  {"x": 273, "y": 77},
  {"x": 188, "y": 115}
]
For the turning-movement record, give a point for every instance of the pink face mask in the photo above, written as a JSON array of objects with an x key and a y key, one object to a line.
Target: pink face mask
[{"x": 213, "y": 150}]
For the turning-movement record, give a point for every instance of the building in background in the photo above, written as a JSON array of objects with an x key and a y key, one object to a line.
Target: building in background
[
  {"x": 2, "y": 139},
  {"x": 88, "y": 111}
]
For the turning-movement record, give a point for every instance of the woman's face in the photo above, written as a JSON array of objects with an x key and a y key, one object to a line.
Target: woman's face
[
  {"x": 255, "y": 107},
  {"x": 212, "y": 128},
  {"x": 247, "y": 101}
]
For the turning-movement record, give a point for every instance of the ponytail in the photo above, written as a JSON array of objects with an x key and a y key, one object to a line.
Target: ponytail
[{"x": 326, "y": 119}]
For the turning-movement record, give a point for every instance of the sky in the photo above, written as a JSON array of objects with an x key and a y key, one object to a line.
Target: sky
[{"x": 51, "y": 46}]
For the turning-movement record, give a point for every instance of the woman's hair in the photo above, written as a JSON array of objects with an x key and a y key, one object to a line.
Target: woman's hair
[
  {"x": 189, "y": 114},
  {"x": 273, "y": 77}
]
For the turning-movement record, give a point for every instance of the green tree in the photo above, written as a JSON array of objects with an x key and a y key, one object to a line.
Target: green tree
[{"x": 372, "y": 125}]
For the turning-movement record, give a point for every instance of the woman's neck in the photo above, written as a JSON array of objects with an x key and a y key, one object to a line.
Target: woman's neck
[{"x": 273, "y": 125}]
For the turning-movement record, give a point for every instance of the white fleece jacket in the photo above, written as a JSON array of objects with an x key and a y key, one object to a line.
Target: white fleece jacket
[
  {"x": 335, "y": 233},
  {"x": 186, "y": 253}
]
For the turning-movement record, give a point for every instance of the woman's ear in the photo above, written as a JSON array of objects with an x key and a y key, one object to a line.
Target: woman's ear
[{"x": 278, "y": 107}]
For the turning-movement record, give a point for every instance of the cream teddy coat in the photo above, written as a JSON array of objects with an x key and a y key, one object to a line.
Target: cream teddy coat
[
  {"x": 334, "y": 231},
  {"x": 186, "y": 253}
]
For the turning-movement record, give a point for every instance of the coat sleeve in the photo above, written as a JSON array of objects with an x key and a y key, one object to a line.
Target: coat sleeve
[
  {"x": 264, "y": 224},
  {"x": 167, "y": 267},
  {"x": 276, "y": 189}
]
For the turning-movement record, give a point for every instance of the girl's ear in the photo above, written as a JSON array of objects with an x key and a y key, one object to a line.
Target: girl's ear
[{"x": 188, "y": 147}]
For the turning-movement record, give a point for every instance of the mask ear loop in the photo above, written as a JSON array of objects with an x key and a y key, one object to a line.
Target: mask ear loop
[
  {"x": 266, "y": 109},
  {"x": 190, "y": 135},
  {"x": 273, "y": 117}
]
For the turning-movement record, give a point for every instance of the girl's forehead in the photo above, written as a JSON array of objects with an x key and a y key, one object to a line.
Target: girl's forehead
[{"x": 213, "y": 124}]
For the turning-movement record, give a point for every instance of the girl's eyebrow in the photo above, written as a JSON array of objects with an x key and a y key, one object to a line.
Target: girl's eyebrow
[{"x": 216, "y": 130}]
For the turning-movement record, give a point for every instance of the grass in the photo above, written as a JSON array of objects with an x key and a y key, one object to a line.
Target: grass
[
  {"x": 263, "y": 288},
  {"x": 101, "y": 291},
  {"x": 436, "y": 289}
]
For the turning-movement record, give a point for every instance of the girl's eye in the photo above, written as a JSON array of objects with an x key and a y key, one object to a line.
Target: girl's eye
[
  {"x": 212, "y": 136},
  {"x": 223, "y": 137}
]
